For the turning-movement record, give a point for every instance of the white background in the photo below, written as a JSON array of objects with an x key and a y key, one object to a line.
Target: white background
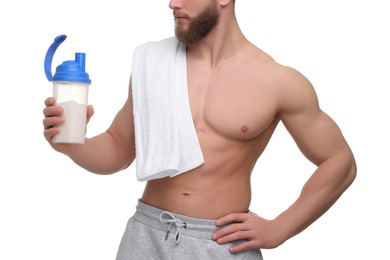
[{"x": 52, "y": 209}]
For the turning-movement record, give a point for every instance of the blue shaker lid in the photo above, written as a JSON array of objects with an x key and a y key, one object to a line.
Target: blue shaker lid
[{"x": 68, "y": 70}]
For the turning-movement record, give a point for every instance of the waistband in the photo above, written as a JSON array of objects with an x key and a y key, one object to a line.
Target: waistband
[{"x": 174, "y": 224}]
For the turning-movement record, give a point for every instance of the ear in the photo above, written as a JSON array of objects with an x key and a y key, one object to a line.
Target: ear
[{"x": 224, "y": 3}]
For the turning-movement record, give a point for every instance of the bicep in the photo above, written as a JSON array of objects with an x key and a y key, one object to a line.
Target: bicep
[{"x": 315, "y": 133}]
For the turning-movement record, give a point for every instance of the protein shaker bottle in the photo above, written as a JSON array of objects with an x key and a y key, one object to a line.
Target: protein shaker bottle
[{"x": 70, "y": 89}]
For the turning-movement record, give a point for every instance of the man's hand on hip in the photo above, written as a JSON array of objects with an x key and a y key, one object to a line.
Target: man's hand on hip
[{"x": 258, "y": 232}]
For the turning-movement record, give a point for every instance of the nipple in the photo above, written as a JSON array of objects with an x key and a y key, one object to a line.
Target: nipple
[{"x": 244, "y": 128}]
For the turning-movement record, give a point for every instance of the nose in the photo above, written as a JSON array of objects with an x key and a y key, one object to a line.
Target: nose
[{"x": 175, "y": 4}]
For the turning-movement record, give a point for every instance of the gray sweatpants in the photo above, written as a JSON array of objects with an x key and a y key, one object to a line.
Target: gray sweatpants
[{"x": 154, "y": 234}]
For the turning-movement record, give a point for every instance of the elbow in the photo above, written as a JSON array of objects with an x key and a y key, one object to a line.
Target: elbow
[
  {"x": 352, "y": 170},
  {"x": 113, "y": 166},
  {"x": 128, "y": 163}
]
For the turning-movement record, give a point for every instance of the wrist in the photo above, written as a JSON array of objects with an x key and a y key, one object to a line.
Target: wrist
[{"x": 282, "y": 232}]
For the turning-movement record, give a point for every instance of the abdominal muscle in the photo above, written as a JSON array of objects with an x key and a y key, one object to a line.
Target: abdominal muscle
[
  {"x": 205, "y": 192},
  {"x": 218, "y": 187}
]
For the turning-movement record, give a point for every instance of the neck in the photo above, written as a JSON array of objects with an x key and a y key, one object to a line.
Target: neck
[{"x": 221, "y": 44}]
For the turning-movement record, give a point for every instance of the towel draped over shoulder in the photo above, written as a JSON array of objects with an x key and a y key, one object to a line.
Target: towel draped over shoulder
[{"x": 165, "y": 137}]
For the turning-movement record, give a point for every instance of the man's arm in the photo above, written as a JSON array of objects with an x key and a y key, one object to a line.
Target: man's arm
[
  {"x": 109, "y": 152},
  {"x": 321, "y": 141}
]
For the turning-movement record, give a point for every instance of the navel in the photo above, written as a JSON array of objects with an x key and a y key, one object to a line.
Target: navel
[{"x": 185, "y": 194}]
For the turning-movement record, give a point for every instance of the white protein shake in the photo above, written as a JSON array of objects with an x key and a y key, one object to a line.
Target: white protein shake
[
  {"x": 70, "y": 90},
  {"x": 74, "y": 128}
]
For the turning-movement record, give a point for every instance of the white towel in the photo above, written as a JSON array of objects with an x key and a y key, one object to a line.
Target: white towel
[{"x": 165, "y": 137}]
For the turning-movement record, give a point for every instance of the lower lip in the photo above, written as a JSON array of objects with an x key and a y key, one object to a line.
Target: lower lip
[{"x": 180, "y": 19}]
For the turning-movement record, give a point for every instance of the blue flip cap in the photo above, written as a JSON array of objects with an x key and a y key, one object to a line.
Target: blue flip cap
[{"x": 69, "y": 70}]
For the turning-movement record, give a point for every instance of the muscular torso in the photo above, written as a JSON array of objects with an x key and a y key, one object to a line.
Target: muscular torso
[{"x": 234, "y": 111}]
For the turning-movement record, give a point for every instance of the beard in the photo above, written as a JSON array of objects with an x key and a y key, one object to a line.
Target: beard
[{"x": 199, "y": 26}]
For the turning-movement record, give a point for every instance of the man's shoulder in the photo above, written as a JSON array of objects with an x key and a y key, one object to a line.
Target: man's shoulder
[
  {"x": 263, "y": 60},
  {"x": 153, "y": 52},
  {"x": 293, "y": 89},
  {"x": 287, "y": 83},
  {"x": 280, "y": 74},
  {"x": 265, "y": 66},
  {"x": 262, "y": 63},
  {"x": 163, "y": 43}
]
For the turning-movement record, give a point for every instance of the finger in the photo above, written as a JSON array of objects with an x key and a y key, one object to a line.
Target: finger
[
  {"x": 239, "y": 235},
  {"x": 49, "y": 133},
  {"x": 90, "y": 112},
  {"x": 243, "y": 247},
  {"x": 228, "y": 230},
  {"x": 230, "y": 218},
  {"x": 53, "y": 111},
  {"x": 50, "y": 101},
  {"x": 49, "y": 122}
]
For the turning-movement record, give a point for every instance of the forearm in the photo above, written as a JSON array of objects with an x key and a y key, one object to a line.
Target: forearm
[
  {"x": 101, "y": 154},
  {"x": 319, "y": 193}
]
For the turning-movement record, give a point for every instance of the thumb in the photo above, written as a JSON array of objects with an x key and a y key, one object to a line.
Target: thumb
[{"x": 90, "y": 112}]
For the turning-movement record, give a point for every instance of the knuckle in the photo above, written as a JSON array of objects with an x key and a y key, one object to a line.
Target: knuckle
[
  {"x": 240, "y": 234},
  {"x": 44, "y": 111},
  {"x": 224, "y": 233}
]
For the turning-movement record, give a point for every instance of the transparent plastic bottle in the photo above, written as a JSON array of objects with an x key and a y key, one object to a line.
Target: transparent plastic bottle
[{"x": 70, "y": 89}]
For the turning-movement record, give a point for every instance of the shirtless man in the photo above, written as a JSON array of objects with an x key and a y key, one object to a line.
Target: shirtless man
[{"x": 238, "y": 94}]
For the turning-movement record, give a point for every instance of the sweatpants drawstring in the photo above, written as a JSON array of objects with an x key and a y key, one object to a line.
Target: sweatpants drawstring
[{"x": 170, "y": 219}]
